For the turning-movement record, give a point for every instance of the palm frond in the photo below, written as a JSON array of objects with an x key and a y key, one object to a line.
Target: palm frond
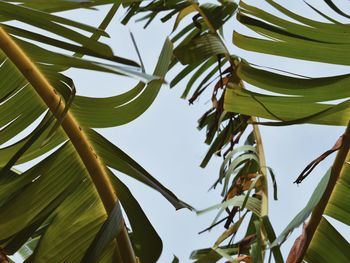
[
  {"x": 297, "y": 99},
  {"x": 301, "y": 99},
  {"x": 60, "y": 199},
  {"x": 200, "y": 48}
]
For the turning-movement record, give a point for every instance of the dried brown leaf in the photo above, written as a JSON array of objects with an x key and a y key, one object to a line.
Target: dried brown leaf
[
  {"x": 246, "y": 241},
  {"x": 3, "y": 256},
  {"x": 296, "y": 252},
  {"x": 246, "y": 259},
  {"x": 311, "y": 166}
]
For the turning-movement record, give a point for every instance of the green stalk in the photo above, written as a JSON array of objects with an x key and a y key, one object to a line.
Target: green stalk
[
  {"x": 263, "y": 170},
  {"x": 336, "y": 172},
  {"x": 259, "y": 144},
  {"x": 256, "y": 130},
  {"x": 264, "y": 186},
  {"x": 74, "y": 132},
  {"x": 105, "y": 22}
]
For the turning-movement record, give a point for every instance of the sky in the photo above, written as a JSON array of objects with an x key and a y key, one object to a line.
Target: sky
[{"x": 166, "y": 142}]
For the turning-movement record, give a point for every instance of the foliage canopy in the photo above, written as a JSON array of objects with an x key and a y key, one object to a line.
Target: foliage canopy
[{"x": 71, "y": 194}]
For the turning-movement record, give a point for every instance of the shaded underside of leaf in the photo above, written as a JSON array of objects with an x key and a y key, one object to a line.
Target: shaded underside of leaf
[
  {"x": 298, "y": 99},
  {"x": 328, "y": 245}
]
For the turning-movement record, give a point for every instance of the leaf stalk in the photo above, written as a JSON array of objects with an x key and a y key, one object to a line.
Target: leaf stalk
[
  {"x": 74, "y": 132},
  {"x": 318, "y": 211}
]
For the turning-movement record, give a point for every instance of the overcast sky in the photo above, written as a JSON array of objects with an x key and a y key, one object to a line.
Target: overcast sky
[{"x": 165, "y": 142}]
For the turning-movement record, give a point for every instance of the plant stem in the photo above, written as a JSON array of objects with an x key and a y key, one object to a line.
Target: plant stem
[
  {"x": 263, "y": 170},
  {"x": 259, "y": 144},
  {"x": 318, "y": 211},
  {"x": 264, "y": 186},
  {"x": 74, "y": 132}
]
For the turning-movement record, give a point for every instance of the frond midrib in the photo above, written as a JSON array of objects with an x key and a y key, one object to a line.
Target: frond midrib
[{"x": 71, "y": 127}]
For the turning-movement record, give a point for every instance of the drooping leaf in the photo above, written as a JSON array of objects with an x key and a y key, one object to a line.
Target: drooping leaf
[
  {"x": 147, "y": 243},
  {"x": 117, "y": 159},
  {"x": 297, "y": 99},
  {"x": 199, "y": 49},
  {"x": 279, "y": 108},
  {"x": 271, "y": 237},
  {"x": 55, "y": 202},
  {"x": 328, "y": 245},
  {"x": 257, "y": 246},
  {"x": 102, "y": 112},
  {"x": 175, "y": 260},
  {"x": 108, "y": 231},
  {"x": 296, "y": 252},
  {"x": 306, "y": 211},
  {"x": 253, "y": 204},
  {"x": 336, "y": 9},
  {"x": 60, "y": 5}
]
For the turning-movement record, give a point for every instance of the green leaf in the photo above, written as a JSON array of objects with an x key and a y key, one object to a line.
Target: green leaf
[
  {"x": 337, "y": 206},
  {"x": 65, "y": 45},
  {"x": 121, "y": 109},
  {"x": 205, "y": 256},
  {"x": 49, "y": 185},
  {"x": 62, "y": 61},
  {"x": 306, "y": 211},
  {"x": 287, "y": 110},
  {"x": 209, "y": 255},
  {"x": 272, "y": 26},
  {"x": 55, "y": 202},
  {"x": 182, "y": 14},
  {"x": 109, "y": 231},
  {"x": 328, "y": 245},
  {"x": 204, "y": 67},
  {"x": 147, "y": 244},
  {"x": 253, "y": 204},
  {"x": 175, "y": 260},
  {"x": 60, "y": 5},
  {"x": 189, "y": 28},
  {"x": 308, "y": 89},
  {"x": 297, "y": 99},
  {"x": 321, "y": 42},
  {"x": 199, "y": 49},
  {"x": 307, "y": 50},
  {"x": 336, "y": 9},
  {"x": 53, "y": 24},
  {"x": 119, "y": 160},
  {"x": 225, "y": 164},
  {"x": 229, "y": 232},
  {"x": 31, "y": 140},
  {"x": 271, "y": 237},
  {"x": 257, "y": 247},
  {"x": 240, "y": 160},
  {"x": 219, "y": 14},
  {"x": 183, "y": 73},
  {"x": 274, "y": 182},
  {"x": 221, "y": 139}
]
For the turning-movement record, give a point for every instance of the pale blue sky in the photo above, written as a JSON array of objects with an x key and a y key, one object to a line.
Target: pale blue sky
[{"x": 166, "y": 142}]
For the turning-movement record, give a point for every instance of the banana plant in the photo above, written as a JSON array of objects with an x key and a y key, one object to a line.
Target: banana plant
[
  {"x": 203, "y": 54},
  {"x": 67, "y": 206},
  {"x": 302, "y": 99},
  {"x": 207, "y": 63}
]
